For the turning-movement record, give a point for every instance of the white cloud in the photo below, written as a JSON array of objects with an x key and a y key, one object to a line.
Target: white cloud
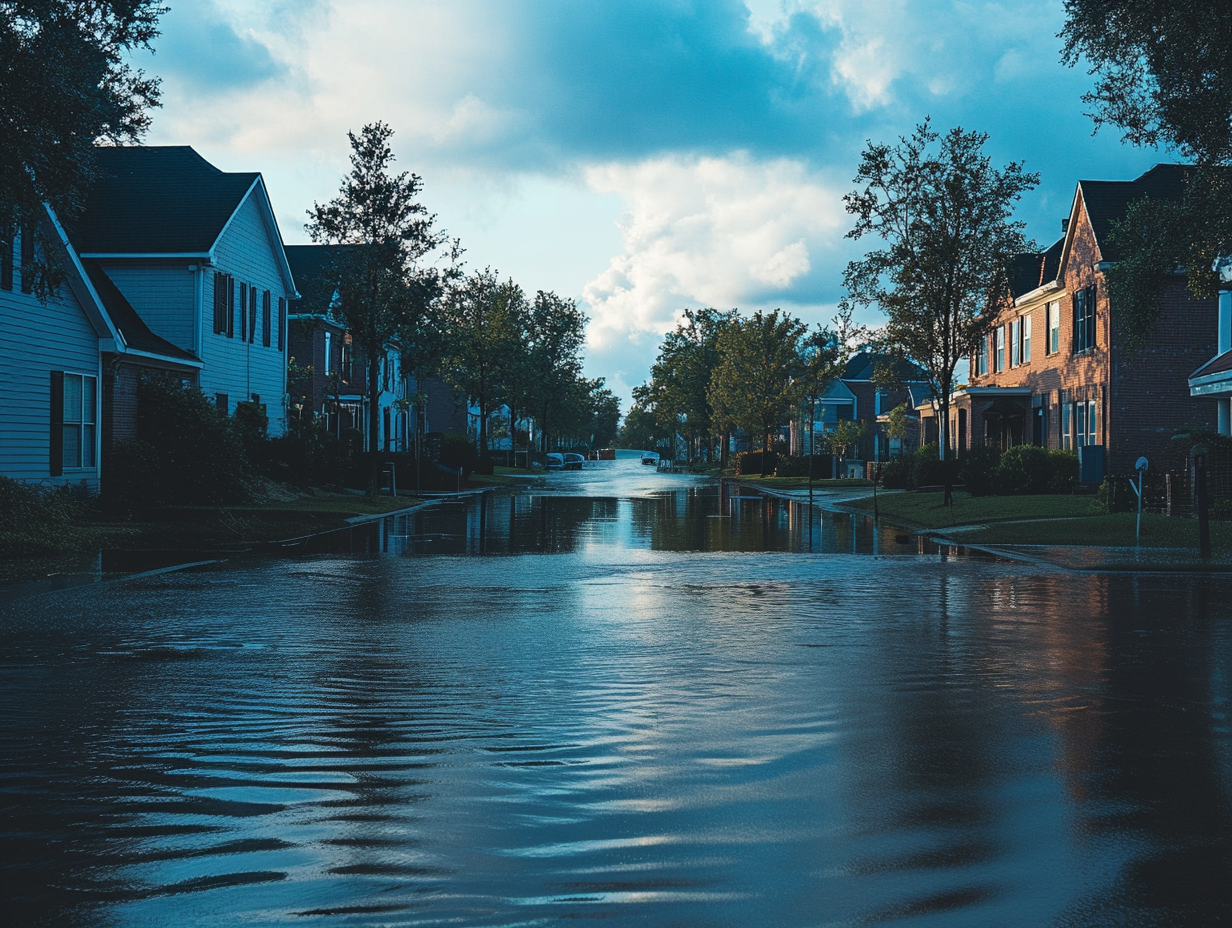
[{"x": 718, "y": 232}]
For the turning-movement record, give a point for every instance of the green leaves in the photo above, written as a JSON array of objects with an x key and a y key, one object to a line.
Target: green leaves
[{"x": 757, "y": 384}]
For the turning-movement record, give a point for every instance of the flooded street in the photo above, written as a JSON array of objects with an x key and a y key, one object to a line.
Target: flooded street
[{"x": 623, "y": 697}]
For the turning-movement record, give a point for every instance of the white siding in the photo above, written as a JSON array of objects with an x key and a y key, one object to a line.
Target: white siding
[
  {"x": 36, "y": 339},
  {"x": 241, "y": 368},
  {"x": 162, "y": 293}
]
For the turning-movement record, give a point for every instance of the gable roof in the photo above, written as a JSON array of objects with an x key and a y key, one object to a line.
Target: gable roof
[
  {"x": 157, "y": 200},
  {"x": 864, "y": 363},
  {"x": 1106, "y": 201},
  {"x": 136, "y": 334},
  {"x": 1031, "y": 271}
]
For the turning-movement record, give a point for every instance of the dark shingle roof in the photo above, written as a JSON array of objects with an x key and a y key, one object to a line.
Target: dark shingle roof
[
  {"x": 157, "y": 200},
  {"x": 1217, "y": 365},
  {"x": 1107, "y": 200},
  {"x": 136, "y": 333},
  {"x": 311, "y": 266},
  {"x": 1031, "y": 271}
]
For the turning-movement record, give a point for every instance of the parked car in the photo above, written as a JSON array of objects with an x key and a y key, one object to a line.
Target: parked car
[
  {"x": 649, "y": 457},
  {"x": 554, "y": 461},
  {"x": 573, "y": 461}
]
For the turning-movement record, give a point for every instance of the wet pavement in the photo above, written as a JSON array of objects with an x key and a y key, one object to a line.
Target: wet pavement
[{"x": 626, "y": 697}]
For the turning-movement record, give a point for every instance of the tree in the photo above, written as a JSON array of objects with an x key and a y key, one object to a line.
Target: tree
[
  {"x": 481, "y": 325},
  {"x": 378, "y": 276},
  {"x": 65, "y": 84},
  {"x": 756, "y": 382},
  {"x": 847, "y": 436},
  {"x": 556, "y": 335},
  {"x": 680, "y": 378},
  {"x": 823, "y": 357},
  {"x": 943, "y": 213},
  {"x": 896, "y": 426},
  {"x": 1163, "y": 73}
]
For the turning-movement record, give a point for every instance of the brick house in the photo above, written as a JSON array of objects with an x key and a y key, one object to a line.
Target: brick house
[{"x": 1053, "y": 373}]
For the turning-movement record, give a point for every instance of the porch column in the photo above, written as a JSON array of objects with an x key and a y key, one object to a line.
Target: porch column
[{"x": 1224, "y": 419}]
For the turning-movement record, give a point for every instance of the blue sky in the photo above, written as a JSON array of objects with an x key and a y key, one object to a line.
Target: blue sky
[{"x": 643, "y": 157}]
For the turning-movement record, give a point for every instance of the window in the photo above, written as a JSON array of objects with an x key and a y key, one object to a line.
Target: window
[
  {"x": 329, "y": 360},
  {"x": 999, "y": 360},
  {"x": 1025, "y": 352},
  {"x": 265, "y": 318},
  {"x": 1015, "y": 343},
  {"x": 282, "y": 322},
  {"x": 1066, "y": 436},
  {"x": 74, "y": 416},
  {"x": 982, "y": 358},
  {"x": 223, "y": 402},
  {"x": 348, "y": 359},
  {"x": 1084, "y": 320},
  {"x": 1054, "y": 327},
  {"x": 6, "y": 256}
]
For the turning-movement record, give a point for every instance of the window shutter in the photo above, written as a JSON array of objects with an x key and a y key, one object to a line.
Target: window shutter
[
  {"x": 252, "y": 314},
  {"x": 220, "y": 303},
  {"x": 282, "y": 322},
  {"x": 243, "y": 312},
  {"x": 230, "y": 290},
  {"x": 27, "y": 260},
  {"x": 265, "y": 318},
  {"x": 56, "y": 456}
]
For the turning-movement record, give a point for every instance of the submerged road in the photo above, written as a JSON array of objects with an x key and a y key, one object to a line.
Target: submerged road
[{"x": 619, "y": 697}]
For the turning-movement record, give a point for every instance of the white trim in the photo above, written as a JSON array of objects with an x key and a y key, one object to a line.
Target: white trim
[
  {"x": 1048, "y": 288},
  {"x": 99, "y": 316},
  {"x": 203, "y": 255},
  {"x": 271, "y": 229},
  {"x": 166, "y": 359}
]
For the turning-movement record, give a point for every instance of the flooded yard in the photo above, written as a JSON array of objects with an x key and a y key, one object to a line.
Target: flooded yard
[{"x": 623, "y": 697}]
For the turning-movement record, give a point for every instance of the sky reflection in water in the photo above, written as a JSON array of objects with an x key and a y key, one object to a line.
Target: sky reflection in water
[{"x": 632, "y": 730}]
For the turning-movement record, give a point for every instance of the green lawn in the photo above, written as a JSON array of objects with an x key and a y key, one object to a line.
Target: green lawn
[
  {"x": 926, "y": 510},
  {"x": 1040, "y": 520},
  {"x": 1116, "y": 530},
  {"x": 342, "y": 504},
  {"x": 801, "y": 483}
]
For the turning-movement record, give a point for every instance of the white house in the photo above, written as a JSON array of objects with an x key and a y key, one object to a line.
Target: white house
[
  {"x": 197, "y": 254},
  {"x": 55, "y": 358}
]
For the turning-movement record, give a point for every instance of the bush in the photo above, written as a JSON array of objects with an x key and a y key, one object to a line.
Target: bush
[
  {"x": 749, "y": 463},
  {"x": 896, "y": 473},
  {"x": 1024, "y": 469},
  {"x": 188, "y": 453},
  {"x": 929, "y": 470},
  {"x": 797, "y": 465},
  {"x": 38, "y": 521},
  {"x": 306, "y": 456},
  {"x": 978, "y": 469},
  {"x": 458, "y": 451},
  {"x": 1063, "y": 471}
]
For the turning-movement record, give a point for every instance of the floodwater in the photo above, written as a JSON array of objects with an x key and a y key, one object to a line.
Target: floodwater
[{"x": 618, "y": 701}]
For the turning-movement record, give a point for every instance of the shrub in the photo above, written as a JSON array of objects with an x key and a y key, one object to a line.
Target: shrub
[
  {"x": 1024, "y": 469},
  {"x": 749, "y": 463},
  {"x": 38, "y": 521},
  {"x": 797, "y": 465},
  {"x": 1063, "y": 471},
  {"x": 459, "y": 451},
  {"x": 305, "y": 456},
  {"x": 189, "y": 453},
  {"x": 929, "y": 470},
  {"x": 896, "y": 474},
  {"x": 978, "y": 469}
]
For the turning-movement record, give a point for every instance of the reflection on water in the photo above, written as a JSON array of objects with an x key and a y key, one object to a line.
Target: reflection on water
[
  {"x": 688, "y": 518},
  {"x": 636, "y": 730}
]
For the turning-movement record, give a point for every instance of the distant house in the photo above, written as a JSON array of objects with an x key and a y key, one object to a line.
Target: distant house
[
  {"x": 1053, "y": 371},
  {"x": 857, "y": 395},
  {"x": 190, "y": 256},
  {"x": 58, "y": 357},
  {"x": 328, "y": 377},
  {"x": 1213, "y": 380}
]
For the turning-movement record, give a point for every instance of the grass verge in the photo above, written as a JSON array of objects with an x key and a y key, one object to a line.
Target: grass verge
[
  {"x": 926, "y": 510},
  {"x": 801, "y": 483}
]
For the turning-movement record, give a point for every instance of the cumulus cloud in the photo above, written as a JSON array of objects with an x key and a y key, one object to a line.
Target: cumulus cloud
[{"x": 722, "y": 232}]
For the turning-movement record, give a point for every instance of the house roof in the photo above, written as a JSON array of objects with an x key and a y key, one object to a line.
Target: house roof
[
  {"x": 1218, "y": 365},
  {"x": 1031, "y": 271},
  {"x": 136, "y": 334},
  {"x": 157, "y": 200},
  {"x": 1106, "y": 201},
  {"x": 310, "y": 265}
]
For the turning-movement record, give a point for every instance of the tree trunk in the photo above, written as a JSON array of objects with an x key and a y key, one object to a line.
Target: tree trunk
[
  {"x": 943, "y": 447},
  {"x": 765, "y": 452}
]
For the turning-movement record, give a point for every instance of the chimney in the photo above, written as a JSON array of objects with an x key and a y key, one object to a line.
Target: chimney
[{"x": 1064, "y": 225}]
